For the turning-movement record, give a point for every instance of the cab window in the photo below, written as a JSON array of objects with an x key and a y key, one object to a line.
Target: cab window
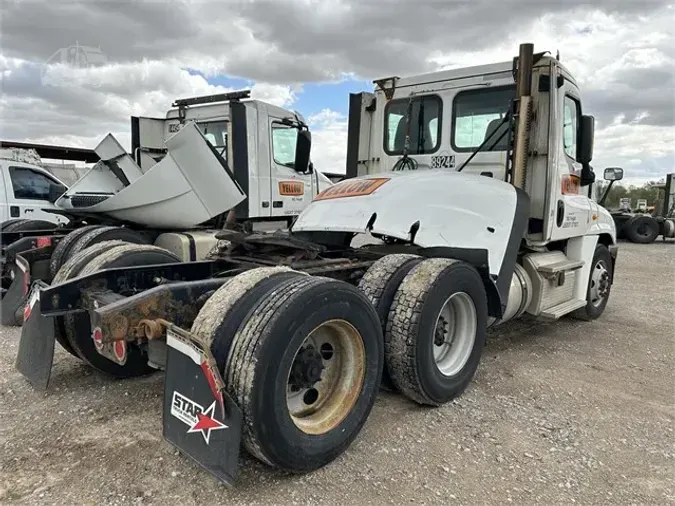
[
  {"x": 216, "y": 133},
  {"x": 283, "y": 144},
  {"x": 30, "y": 184},
  {"x": 424, "y": 125},
  {"x": 571, "y": 126},
  {"x": 477, "y": 114}
]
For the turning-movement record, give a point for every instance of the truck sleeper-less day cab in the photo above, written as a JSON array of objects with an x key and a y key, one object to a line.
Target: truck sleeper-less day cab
[{"x": 469, "y": 189}]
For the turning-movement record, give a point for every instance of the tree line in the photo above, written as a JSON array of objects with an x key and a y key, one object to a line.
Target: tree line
[{"x": 633, "y": 192}]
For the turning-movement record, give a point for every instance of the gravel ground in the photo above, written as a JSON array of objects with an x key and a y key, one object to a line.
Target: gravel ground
[{"x": 564, "y": 412}]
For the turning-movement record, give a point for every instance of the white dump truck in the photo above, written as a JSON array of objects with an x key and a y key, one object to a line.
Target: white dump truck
[
  {"x": 469, "y": 192},
  {"x": 175, "y": 190}
]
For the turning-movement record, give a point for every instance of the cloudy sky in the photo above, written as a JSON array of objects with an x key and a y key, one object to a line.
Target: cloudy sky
[{"x": 310, "y": 54}]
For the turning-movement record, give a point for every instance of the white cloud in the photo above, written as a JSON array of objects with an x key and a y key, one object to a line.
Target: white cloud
[{"x": 329, "y": 140}]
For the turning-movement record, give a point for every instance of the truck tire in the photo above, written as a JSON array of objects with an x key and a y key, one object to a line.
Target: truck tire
[
  {"x": 222, "y": 313},
  {"x": 62, "y": 251},
  {"x": 379, "y": 284},
  {"x": 77, "y": 325},
  {"x": 599, "y": 285},
  {"x": 70, "y": 270},
  {"x": 305, "y": 330},
  {"x": 8, "y": 223},
  {"x": 28, "y": 225},
  {"x": 105, "y": 233},
  {"x": 440, "y": 299},
  {"x": 641, "y": 229}
]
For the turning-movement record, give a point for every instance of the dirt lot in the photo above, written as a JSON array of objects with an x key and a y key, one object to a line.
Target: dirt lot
[{"x": 558, "y": 413}]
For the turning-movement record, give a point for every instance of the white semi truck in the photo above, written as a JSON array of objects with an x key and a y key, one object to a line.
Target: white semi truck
[{"x": 471, "y": 189}]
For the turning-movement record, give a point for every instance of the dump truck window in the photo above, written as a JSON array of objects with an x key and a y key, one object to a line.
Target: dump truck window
[
  {"x": 571, "y": 127},
  {"x": 425, "y": 128},
  {"x": 30, "y": 184},
  {"x": 283, "y": 144},
  {"x": 476, "y": 114}
]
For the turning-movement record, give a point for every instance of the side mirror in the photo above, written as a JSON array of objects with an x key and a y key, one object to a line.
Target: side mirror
[
  {"x": 613, "y": 174},
  {"x": 303, "y": 145},
  {"x": 586, "y": 134},
  {"x": 55, "y": 191}
]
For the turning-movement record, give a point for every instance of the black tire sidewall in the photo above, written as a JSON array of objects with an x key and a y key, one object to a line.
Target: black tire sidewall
[
  {"x": 601, "y": 253},
  {"x": 61, "y": 253},
  {"x": 384, "y": 304},
  {"x": 456, "y": 278},
  {"x": 285, "y": 444},
  {"x": 239, "y": 313},
  {"x": 635, "y": 222}
]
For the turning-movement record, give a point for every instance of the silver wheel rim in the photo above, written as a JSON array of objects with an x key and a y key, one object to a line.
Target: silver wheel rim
[
  {"x": 599, "y": 283},
  {"x": 337, "y": 349},
  {"x": 454, "y": 334}
]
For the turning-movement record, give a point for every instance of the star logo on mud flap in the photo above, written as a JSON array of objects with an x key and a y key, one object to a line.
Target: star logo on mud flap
[{"x": 192, "y": 414}]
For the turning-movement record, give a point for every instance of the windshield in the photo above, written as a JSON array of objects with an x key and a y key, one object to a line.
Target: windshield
[
  {"x": 424, "y": 125},
  {"x": 283, "y": 144}
]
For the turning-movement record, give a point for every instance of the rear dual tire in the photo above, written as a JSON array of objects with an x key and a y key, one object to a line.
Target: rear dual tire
[
  {"x": 291, "y": 420},
  {"x": 434, "y": 315}
]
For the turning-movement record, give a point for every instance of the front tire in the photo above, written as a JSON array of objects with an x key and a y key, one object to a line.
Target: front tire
[
  {"x": 436, "y": 330},
  {"x": 599, "y": 285}
]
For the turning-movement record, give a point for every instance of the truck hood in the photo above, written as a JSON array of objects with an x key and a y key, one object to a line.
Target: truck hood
[
  {"x": 448, "y": 209},
  {"x": 190, "y": 185}
]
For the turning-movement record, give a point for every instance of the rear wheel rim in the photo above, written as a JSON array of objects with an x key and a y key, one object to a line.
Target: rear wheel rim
[
  {"x": 454, "y": 334},
  {"x": 326, "y": 377},
  {"x": 599, "y": 283}
]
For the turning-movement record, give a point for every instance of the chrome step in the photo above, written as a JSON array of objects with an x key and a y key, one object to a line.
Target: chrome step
[
  {"x": 555, "y": 312},
  {"x": 566, "y": 265}
]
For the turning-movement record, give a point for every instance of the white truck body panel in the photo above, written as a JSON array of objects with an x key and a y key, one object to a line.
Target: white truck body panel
[
  {"x": 454, "y": 210},
  {"x": 187, "y": 187}
]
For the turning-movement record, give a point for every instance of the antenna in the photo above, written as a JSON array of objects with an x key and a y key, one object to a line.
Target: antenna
[{"x": 557, "y": 55}]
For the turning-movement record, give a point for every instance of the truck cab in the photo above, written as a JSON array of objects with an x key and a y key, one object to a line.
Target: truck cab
[
  {"x": 257, "y": 139},
  {"x": 27, "y": 189},
  {"x": 460, "y": 118}
]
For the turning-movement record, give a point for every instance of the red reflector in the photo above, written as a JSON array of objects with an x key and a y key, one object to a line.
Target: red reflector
[
  {"x": 44, "y": 241},
  {"x": 26, "y": 311},
  {"x": 120, "y": 350},
  {"x": 97, "y": 336}
]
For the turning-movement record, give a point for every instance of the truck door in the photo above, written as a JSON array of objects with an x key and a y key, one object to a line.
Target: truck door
[
  {"x": 28, "y": 191},
  {"x": 572, "y": 209},
  {"x": 291, "y": 191}
]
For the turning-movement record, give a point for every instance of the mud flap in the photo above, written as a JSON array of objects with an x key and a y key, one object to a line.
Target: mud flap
[
  {"x": 199, "y": 417},
  {"x": 15, "y": 295},
  {"x": 36, "y": 347}
]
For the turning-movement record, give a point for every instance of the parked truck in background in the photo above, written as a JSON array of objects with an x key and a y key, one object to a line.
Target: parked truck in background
[
  {"x": 174, "y": 190},
  {"x": 641, "y": 226},
  {"x": 472, "y": 187}
]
